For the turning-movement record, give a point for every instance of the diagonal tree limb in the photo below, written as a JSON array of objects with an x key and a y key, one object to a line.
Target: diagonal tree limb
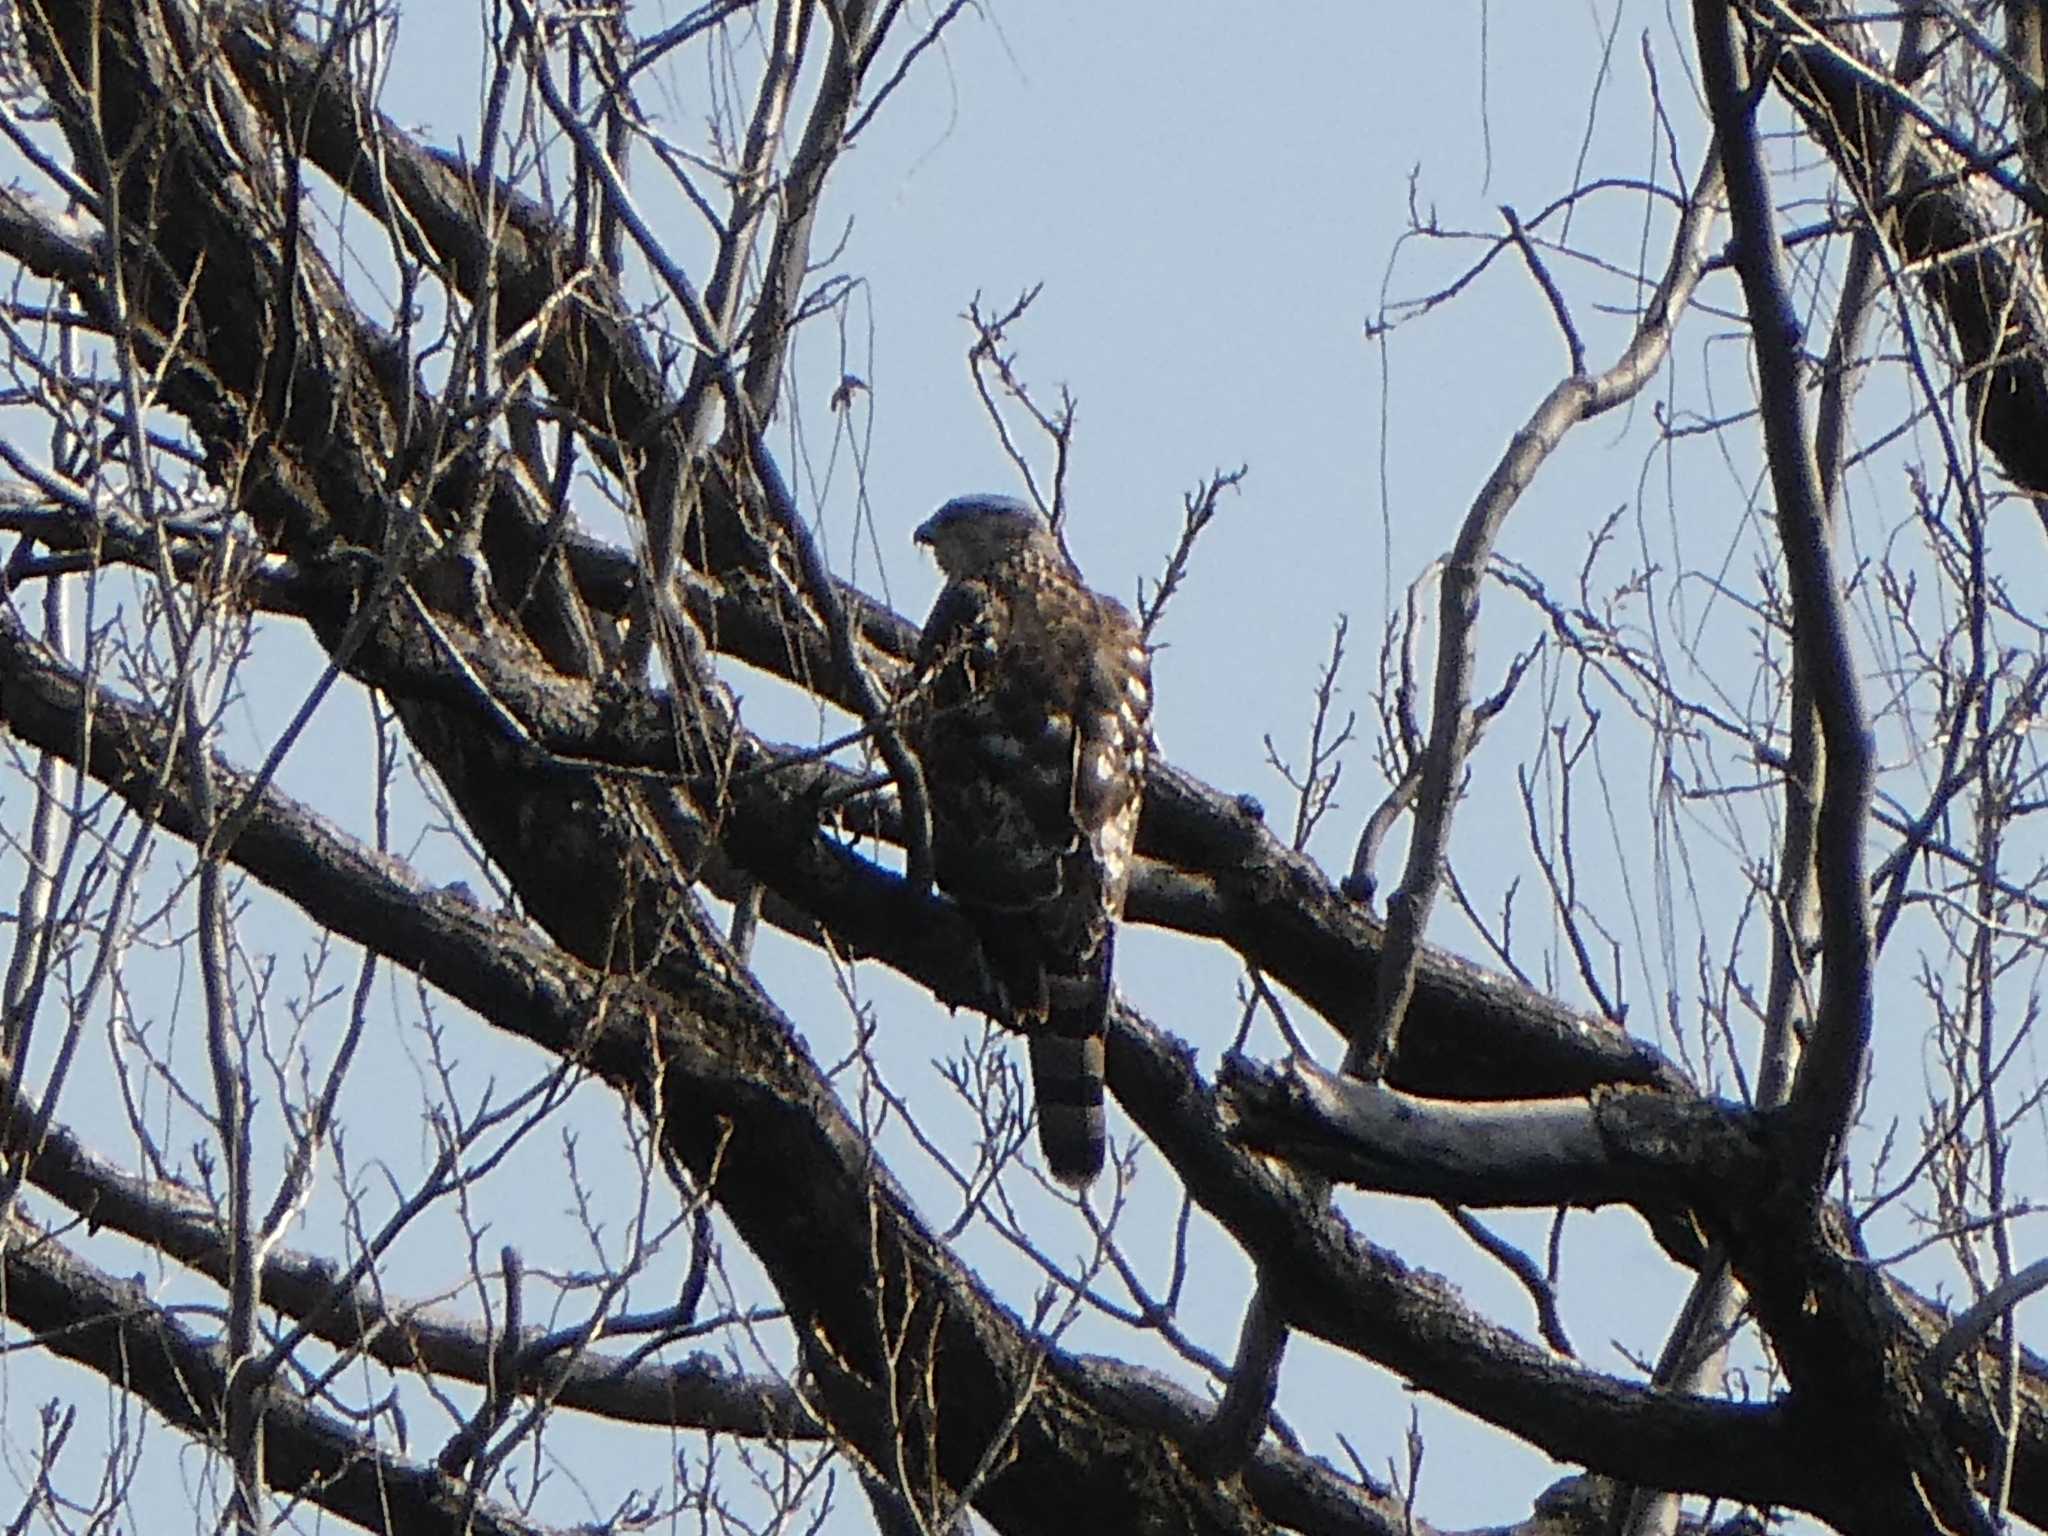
[
  {"x": 112, "y": 1328},
  {"x": 410, "y": 1336},
  {"x": 1348, "y": 1293},
  {"x": 1831, "y": 1073},
  {"x": 1575, "y": 399},
  {"x": 1941, "y": 225},
  {"x": 739, "y": 1102},
  {"x": 718, "y": 1070}
]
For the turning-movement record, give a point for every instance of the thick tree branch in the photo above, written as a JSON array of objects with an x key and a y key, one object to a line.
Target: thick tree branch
[
  {"x": 738, "y": 1102},
  {"x": 729, "y": 1097},
  {"x": 1831, "y": 1073},
  {"x": 1526, "y": 1152},
  {"x": 1941, "y": 226},
  {"x": 321, "y": 446},
  {"x": 112, "y": 1328},
  {"x": 1574, "y": 400},
  {"x": 414, "y": 1336}
]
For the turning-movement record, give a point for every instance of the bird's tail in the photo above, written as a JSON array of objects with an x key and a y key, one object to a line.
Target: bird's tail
[{"x": 1067, "y": 1072}]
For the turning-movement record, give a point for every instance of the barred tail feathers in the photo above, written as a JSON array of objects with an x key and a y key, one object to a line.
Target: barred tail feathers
[{"x": 1067, "y": 1066}]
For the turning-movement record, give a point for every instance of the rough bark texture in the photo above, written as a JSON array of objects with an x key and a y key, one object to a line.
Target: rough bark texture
[{"x": 314, "y": 426}]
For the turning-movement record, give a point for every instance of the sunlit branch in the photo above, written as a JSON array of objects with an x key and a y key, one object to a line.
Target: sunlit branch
[{"x": 1830, "y": 1076}]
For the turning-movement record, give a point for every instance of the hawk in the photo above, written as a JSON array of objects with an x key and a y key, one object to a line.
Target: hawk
[{"x": 1032, "y": 719}]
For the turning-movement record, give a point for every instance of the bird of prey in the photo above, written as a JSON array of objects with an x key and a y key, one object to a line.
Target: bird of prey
[{"x": 1031, "y": 717}]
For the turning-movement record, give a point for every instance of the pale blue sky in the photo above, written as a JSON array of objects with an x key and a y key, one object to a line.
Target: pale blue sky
[
  {"x": 1211, "y": 207},
  {"x": 1212, "y": 202}
]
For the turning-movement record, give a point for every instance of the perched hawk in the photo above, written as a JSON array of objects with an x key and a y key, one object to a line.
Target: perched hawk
[{"x": 1032, "y": 720}]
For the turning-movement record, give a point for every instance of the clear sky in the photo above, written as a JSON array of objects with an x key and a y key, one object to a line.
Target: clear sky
[
  {"x": 1212, "y": 203},
  {"x": 1214, "y": 197}
]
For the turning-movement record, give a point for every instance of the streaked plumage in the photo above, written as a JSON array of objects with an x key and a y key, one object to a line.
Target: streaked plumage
[{"x": 1032, "y": 719}]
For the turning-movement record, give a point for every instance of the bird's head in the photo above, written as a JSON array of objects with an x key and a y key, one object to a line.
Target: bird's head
[{"x": 971, "y": 535}]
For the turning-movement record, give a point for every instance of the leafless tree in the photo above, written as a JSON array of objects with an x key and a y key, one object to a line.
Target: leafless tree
[{"x": 505, "y": 433}]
